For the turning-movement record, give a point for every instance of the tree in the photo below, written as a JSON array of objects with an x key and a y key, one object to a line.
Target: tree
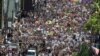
[
  {"x": 84, "y": 50},
  {"x": 93, "y": 24}
]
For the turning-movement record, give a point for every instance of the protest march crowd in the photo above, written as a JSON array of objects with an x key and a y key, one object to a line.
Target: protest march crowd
[{"x": 56, "y": 30}]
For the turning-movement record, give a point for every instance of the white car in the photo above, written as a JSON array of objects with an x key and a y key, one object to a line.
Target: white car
[{"x": 31, "y": 52}]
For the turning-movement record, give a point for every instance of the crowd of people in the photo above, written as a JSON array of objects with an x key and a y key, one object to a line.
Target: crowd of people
[{"x": 56, "y": 30}]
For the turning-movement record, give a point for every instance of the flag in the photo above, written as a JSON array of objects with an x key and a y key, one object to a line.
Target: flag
[
  {"x": 75, "y": 0},
  {"x": 96, "y": 50},
  {"x": 86, "y": 1}
]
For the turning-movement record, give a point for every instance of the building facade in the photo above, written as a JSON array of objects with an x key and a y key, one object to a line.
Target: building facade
[{"x": 9, "y": 10}]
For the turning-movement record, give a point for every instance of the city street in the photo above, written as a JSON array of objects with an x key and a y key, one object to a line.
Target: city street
[{"x": 49, "y": 28}]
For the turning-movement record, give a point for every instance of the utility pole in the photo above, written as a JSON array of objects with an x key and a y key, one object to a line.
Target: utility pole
[
  {"x": 23, "y": 4},
  {"x": 33, "y": 6},
  {"x": 6, "y": 16},
  {"x": 2, "y": 14}
]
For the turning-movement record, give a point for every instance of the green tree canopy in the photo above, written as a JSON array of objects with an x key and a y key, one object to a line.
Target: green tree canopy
[{"x": 93, "y": 23}]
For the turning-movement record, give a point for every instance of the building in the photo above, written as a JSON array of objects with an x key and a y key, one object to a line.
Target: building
[{"x": 9, "y": 10}]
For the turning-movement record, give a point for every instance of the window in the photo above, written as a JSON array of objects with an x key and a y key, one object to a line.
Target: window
[{"x": 30, "y": 53}]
